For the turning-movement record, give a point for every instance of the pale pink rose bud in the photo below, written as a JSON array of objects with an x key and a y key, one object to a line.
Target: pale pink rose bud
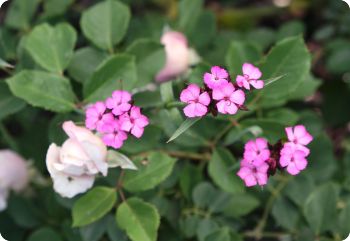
[
  {"x": 177, "y": 55},
  {"x": 13, "y": 175},
  {"x": 74, "y": 165}
]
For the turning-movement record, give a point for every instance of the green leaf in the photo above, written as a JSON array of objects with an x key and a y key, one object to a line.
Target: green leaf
[
  {"x": 272, "y": 129},
  {"x": 285, "y": 213},
  {"x": 42, "y": 89},
  {"x": 117, "y": 72},
  {"x": 190, "y": 176},
  {"x": 239, "y": 53},
  {"x": 150, "y": 173},
  {"x": 206, "y": 227},
  {"x": 222, "y": 234},
  {"x": 150, "y": 58},
  {"x": 183, "y": 127},
  {"x": 21, "y": 13},
  {"x": 307, "y": 88},
  {"x": 290, "y": 59},
  {"x": 188, "y": 225},
  {"x": 44, "y": 234},
  {"x": 53, "y": 8},
  {"x": 189, "y": 12},
  {"x": 221, "y": 172},
  {"x": 139, "y": 219},
  {"x": 93, "y": 205},
  {"x": 284, "y": 116},
  {"x": 52, "y": 47},
  {"x": 299, "y": 188},
  {"x": 84, "y": 62},
  {"x": 320, "y": 208},
  {"x": 344, "y": 220},
  {"x": 9, "y": 104},
  {"x": 290, "y": 29},
  {"x": 8, "y": 44},
  {"x": 206, "y": 196},
  {"x": 241, "y": 205},
  {"x": 95, "y": 231},
  {"x": 105, "y": 24}
]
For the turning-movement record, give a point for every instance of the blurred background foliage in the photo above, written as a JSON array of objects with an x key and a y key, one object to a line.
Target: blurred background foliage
[{"x": 197, "y": 201}]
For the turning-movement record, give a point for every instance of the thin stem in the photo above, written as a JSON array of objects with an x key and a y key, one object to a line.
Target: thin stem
[
  {"x": 258, "y": 231},
  {"x": 8, "y": 138},
  {"x": 232, "y": 124},
  {"x": 120, "y": 185}
]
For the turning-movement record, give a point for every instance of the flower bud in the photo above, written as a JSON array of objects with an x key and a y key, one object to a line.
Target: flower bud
[
  {"x": 177, "y": 55},
  {"x": 13, "y": 175}
]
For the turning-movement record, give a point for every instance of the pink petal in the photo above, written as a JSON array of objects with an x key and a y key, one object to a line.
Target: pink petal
[
  {"x": 252, "y": 71},
  {"x": 240, "y": 80},
  {"x": 292, "y": 169},
  {"x": 261, "y": 143},
  {"x": 125, "y": 96},
  {"x": 126, "y": 125},
  {"x": 200, "y": 110},
  {"x": 243, "y": 172},
  {"x": 300, "y": 163},
  {"x": 261, "y": 178},
  {"x": 285, "y": 160},
  {"x": 306, "y": 139},
  {"x": 207, "y": 78},
  {"x": 137, "y": 131},
  {"x": 257, "y": 84},
  {"x": 221, "y": 106},
  {"x": 218, "y": 94},
  {"x": 100, "y": 107},
  {"x": 249, "y": 155},
  {"x": 142, "y": 121},
  {"x": 228, "y": 89},
  {"x": 190, "y": 110},
  {"x": 250, "y": 181},
  {"x": 264, "y": 155},
  {"x": 231, "y": 108},
  {"x": 290, "y": 134},
  {"x": 204, "y": 98},
  {"x": 263, "y": 168},
  {"x": 238, "y": 97},
  {"x": 300, "y": 131}
]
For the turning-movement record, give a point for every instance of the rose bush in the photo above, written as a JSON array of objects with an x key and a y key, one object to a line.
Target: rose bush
[{"x": 174, "y": 120}]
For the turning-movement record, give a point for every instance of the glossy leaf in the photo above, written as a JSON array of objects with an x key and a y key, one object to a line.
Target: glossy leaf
[
  {"x": 139, "y": 219},
  {"x": 93, "y": 205},
  {"x": 151, "y": 172},
  {"x": 106, "y": 23},
  {"x": 42, "y": 89}
]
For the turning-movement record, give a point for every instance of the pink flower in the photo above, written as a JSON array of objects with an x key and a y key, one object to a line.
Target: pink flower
[
  {"x": 216, "y": 78},
  {"x": 229, "y": 98},
  {"x": 251, "y": 75},
  {"x": 115, "y": 137},
  {"x": 253, "y": 175},
  {"x": 119, "y": 102},
  {"x": 197, "y": 102},
  {"x": 299, "y": 137},
  {"x": 177, "y": 56},
  {"x": 14, "y": 175},
  {"x": 256, "y": 151},
  {"x": 293, "y": 159},
  {"x": 96, "y": 117},
  {"x": 134, "y": 122}
]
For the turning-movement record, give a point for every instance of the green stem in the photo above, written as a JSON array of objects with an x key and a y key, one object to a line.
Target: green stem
[{"x": 8, "y": 138}]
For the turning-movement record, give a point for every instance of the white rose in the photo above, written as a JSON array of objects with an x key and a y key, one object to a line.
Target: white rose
[
  {"x": 13, "y": 175},
  {"x": 73, "y": 166}
]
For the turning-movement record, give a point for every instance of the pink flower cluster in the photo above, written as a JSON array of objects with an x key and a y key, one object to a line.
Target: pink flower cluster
[
  {"x": 116, "y": 117},
  {"x": 220, "y": 94},
  {"x": 260, "y": 159}
]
